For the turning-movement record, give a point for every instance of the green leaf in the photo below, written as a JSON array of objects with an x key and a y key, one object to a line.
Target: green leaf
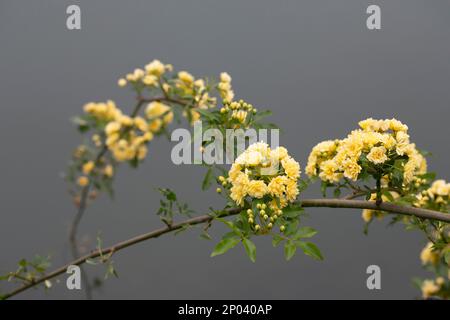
[
  {"x": 224, "y": 245},
  {"x": 305, "y": 232},
  {"x": 23, "y": 263},
  {"x": 92, "y": 262},
  {"x": 388, "y": 195},
  {"x": 276, "y": 240},
  {"x": 261, "y": 115},
  {"x": 111, "y": 271},
  {"x": 289, "y": 250},
  {"x": 250, "y": 248},
  {"x": 208, "y": 179},
  {"x": 310, "y": 249},
  {"x": 292, "y": 211},
  {"x": 447, "y": 257}
]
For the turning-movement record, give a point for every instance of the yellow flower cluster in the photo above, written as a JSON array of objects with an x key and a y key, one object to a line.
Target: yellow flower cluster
[
  {"x": 148, "y": 76},
  {"x": 104, "y": 111},
  {"x": 131, "y": 144},
  {"x": 428, "y": 255},
  {"x": 224, "y": 87},
  {"x": 257, "y": 173},
  {"x": 159, "y": 116},
  {"x": 89, "y": 168},
  {"x": 377, "y": 140},
  {"x": 197, "y": 89},
  {"x": 432, "y": 287},
  {"x": 322, "y": 152},
  {"x": 238, "y": 110},
  {"x": 438, "y": 195},
  {"x": 126, "y": 137}
]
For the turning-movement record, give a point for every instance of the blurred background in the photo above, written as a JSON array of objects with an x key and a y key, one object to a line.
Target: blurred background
[{"x": 314, "y": 63}]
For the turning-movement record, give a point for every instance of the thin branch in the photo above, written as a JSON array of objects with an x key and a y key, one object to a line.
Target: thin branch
[
  {"x": 331, "y": 203},
  {"x": 384, "y": 206},
  {"x": 119, "y": 246},
  {"x": 85, "y": 191}
]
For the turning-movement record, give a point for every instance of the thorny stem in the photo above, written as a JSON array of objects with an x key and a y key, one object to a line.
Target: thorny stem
[{"x": 330, "y": 203}]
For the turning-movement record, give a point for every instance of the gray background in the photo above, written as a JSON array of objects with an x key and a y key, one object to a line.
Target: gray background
[{"x": 314, "y": 63}]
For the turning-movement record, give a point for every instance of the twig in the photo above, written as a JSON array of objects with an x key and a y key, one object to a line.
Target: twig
[{"x": 85, "y": 191}]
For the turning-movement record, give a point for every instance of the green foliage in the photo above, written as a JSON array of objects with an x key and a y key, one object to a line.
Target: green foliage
[
  {"x": 29, "y": 271},
  {"x": 225, "y": 244},
  {"x": 293, "y": 234},
  {"x": 170, "y": 206}
]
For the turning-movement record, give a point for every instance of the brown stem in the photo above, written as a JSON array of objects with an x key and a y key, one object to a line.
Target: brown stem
[{"x": 330, "y": 203}]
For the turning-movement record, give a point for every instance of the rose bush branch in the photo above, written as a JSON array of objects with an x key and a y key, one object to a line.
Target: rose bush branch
[{"x": 204, "y": 219}]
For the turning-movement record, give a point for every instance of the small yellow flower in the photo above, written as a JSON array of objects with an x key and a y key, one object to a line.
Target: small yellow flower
[
  {"x": 122, "y": 82},
  {"x": 377, "y": 155},
  {"x": 156, "y": 68},
  {"x": 108, "y": 171},
  {"x": 186, "y": 77},
  {"x": 83, "y": 181},
  {"x": 367, "y": 215},
  {"x": 428, "y": 256},
  {"x": 257, "y": 189},
  {"x": 429, "y": 288},
  {"x": 88, "y": 167}
]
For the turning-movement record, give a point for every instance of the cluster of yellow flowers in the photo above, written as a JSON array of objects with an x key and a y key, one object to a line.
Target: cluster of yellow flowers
[
  {"x": 224, "y": 87},
  {"x": 257, "y": 173},
  {"x": 238, "y": 110},
  {"x": 432, "y": 287},
  {"x": 90, "y": 168},
  {"x": 159, "y": 116},
  {"x": 198, "y": 90},
  {"x": 103, "y": 111},
  {"x": 126, "y": 137},
  {"x": 430, "y": 256},
  {"x": 437, "y": 195},
  {"x": 148, "y": 76},
  {"x": 378, "y": 140}
]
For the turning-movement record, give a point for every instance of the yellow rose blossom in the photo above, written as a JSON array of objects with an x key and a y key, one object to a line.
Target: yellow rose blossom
[
  {"x": 186, "y": 78},
  {"x": 428, "y": 255},
  {"x": 429, "y": 288},
  {"x": 277, "y": 186},
  {"x": 88, "y": 167},
  {"x": 351, "y": 169},
  {"x": 159, "y": 114},
  {"x": 257, "y": 189},
  {"x": 83, "y": 181},
  {"x": 156, "y": 68},
  {"x": 377, "y": 155},
  {"x": 291, "y": 167},
  {"x": 122, "y": 82},
  {"x": 108, "y": 171},
  {"x": 367, "y": 215}
]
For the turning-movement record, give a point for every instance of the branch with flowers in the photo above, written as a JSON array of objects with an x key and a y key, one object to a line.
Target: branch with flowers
[{"x": 262, "y": 189}]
